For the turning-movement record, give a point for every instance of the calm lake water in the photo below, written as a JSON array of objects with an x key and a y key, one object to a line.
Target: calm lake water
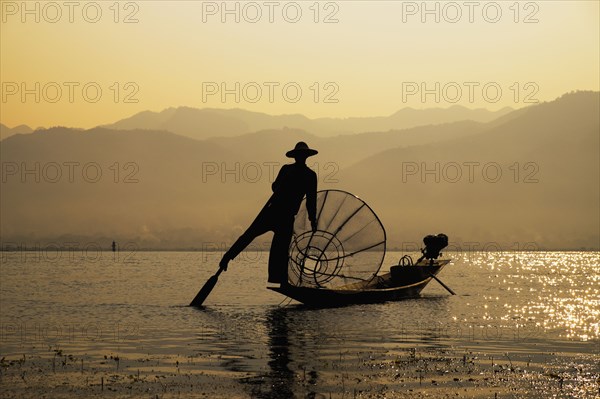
[{"x": 522, "y": 304}]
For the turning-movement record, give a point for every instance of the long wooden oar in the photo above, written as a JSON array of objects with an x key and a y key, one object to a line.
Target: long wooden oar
[
  {"x": 443, "y": 285},
  {"x": 206, "y": 289}
]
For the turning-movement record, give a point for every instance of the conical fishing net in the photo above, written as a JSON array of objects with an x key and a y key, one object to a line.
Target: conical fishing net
[{"x": 348, "y": 246}]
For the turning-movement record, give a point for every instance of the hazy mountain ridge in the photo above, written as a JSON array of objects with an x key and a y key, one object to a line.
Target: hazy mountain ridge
[
  {"x": 210, "y": 122},
  {"x": 549, "y": 190},
  {"x": 343, "y": 150},
  {"x": 162, "y": 190},
  {"x": 147, "y": 179},
  {"x": 6, "y": 131}
]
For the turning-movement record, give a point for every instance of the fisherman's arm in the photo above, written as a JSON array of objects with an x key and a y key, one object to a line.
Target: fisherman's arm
[{"x": 311, "y": 201}]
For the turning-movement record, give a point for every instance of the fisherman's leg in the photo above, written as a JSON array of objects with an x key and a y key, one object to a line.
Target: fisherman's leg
[
  {"x": 278, "y": 256},
  {"x": 259, "y": 227}
]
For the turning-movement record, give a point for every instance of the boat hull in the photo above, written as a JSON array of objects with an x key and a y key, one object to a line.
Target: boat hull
[{"x": 403, "y": 283}]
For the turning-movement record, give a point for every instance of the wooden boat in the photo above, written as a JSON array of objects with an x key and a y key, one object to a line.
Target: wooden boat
[{"x": 401, "y": 282}]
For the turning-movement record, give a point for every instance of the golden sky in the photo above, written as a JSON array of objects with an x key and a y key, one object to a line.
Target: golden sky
[{"x": 369, "y": 58}]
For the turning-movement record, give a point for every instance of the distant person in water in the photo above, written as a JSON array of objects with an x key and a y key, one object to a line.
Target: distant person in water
[{"x": 293, "y": 182}]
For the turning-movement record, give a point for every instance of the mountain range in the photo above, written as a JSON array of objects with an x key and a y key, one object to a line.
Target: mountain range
[
  {"x": 206, "y": 123},
  {"x": 528, "y": 178},
  {"x": 6, "y": 131}
]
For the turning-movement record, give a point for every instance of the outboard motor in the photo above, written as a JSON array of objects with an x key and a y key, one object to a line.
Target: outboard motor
[{"x": 433, "y": 246}]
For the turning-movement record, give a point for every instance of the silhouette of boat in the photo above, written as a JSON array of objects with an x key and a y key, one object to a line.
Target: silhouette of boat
[{"x": 402, "y": 282}]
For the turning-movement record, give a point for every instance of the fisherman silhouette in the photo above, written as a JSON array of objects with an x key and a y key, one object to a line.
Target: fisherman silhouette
[{"x": 293, "y": 182}]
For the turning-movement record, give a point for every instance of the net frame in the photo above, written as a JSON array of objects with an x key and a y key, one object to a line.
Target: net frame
[{"x": 325, "y": 250}]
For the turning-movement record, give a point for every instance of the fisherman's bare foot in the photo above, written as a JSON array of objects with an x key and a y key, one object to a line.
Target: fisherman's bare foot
[{"x": 223, "y": 263}]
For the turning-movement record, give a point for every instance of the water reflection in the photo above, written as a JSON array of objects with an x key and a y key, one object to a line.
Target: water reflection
[
  {"x": 280, "y": 376},
  {"x": 554, "y": 292},
  {"x": 278, "y": 381}
]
